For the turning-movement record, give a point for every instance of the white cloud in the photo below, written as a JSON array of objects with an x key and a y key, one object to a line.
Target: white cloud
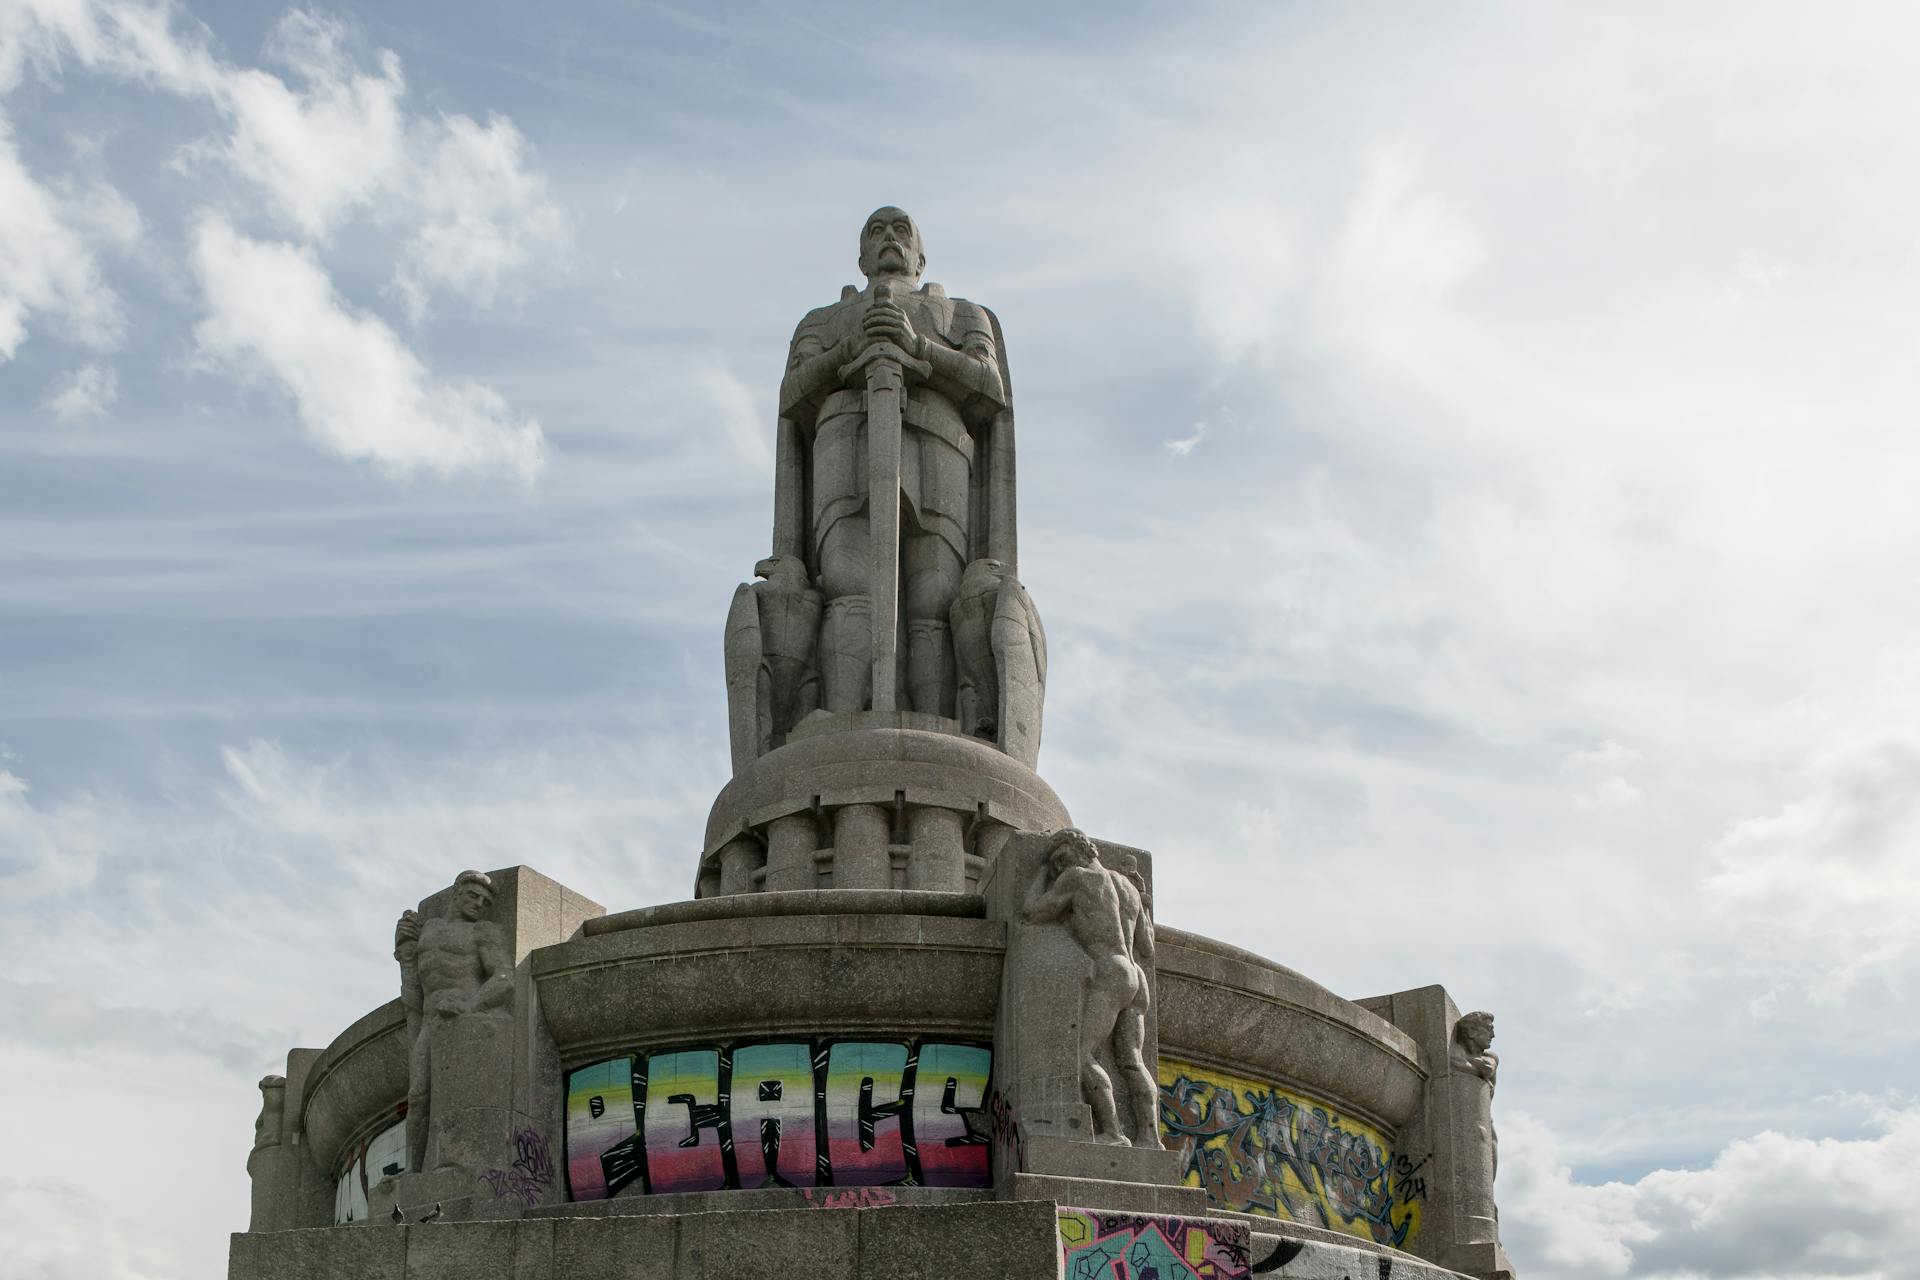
[
  {"x": 44, "y": 853},
  {"x": 86, "y": 392},
  {"x": 484, "y": 211},
  {"x": 328, "y": 147},
  {"x": 47, "y": 267},
  {"x": 1769, "y": 1205},
  {"x": 1828, "y": 887},
  {"x": 360, "y": 391},
  {"x": 1185, "y": 445},
  {"x": 331, "y": 142}
]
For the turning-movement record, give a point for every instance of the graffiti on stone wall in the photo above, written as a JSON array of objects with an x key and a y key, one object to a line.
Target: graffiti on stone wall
[
  {"x": 1133, "y": 1246},
  {"x": 849, "y": 1113},
  {"x": 530, "y": 1174},
  {"x": 1257, "y": 1148},
  {"x": 380, "y": 1156}
]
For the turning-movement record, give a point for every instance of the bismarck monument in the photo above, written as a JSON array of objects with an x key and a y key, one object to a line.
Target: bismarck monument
[{"x": 912, "y": 1023}]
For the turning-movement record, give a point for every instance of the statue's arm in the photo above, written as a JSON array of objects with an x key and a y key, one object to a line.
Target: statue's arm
[
  {"x": 497, "y": 991},
  {"x": 406, "y": 949},
  {"x": 1057, "y": 901},
  {"x": 975, "y": 365},
  {"x": 813, "y": 368}
]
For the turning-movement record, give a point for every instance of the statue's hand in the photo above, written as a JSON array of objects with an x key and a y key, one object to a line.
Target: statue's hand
[
  {"x": 406, "y": 929},
  {"x": 887, "y": 321}
]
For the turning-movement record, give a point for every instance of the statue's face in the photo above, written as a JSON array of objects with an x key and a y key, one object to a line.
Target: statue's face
[
  {"x": 890, "y": 245},
  {"x": 1477, "y": 1035},
  {"x": 1072, "y": 853},
  {"x": 472, "y": 901}
]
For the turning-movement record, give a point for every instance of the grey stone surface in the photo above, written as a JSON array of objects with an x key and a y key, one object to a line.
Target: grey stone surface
[
  {"x": 1013, "y": 1241},
  {"x": 354, "y": 1086},
  {"x": 614, "y": 1249},
  {"x": 1226, "y": 1008},
  {"x": 1112, "y": 1197},
  {"x": 327, "y": 1253},
  {"x": 715, "y": 977},
  {"x": 460, "y": 1251},
  {"x": 769, "y": 1246}
]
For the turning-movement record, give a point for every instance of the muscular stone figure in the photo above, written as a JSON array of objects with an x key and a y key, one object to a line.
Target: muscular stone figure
[
  {"x": 1103, "y": 912},
  {"x": 450, "y": 968},
  {"x": 954, "y": 391},
  {"x": 1472, "y": 1067}
]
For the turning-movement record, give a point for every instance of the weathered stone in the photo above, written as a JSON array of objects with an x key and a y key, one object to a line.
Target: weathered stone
[{"x": 614, "y": 1249}]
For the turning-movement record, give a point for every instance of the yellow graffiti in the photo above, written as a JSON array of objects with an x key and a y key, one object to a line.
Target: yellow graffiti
[{"x": 1258, "y": 1148}]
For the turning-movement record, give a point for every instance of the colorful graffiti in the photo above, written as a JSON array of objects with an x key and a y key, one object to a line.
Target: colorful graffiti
[
  {"x": 1257, "y": 1148},
  {"x": 380, "y": 1156},
  {"x": 1133, "y": 1246},
  {"x": 849, "y": 1113}
]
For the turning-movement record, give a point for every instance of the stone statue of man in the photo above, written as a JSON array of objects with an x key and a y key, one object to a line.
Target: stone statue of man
[
  {"x": 1472, "y": 1066},
  {"x": 451, "y": 968},
  {"x": 955, "y": 493},
  {"x": 1104, "y": 913}
]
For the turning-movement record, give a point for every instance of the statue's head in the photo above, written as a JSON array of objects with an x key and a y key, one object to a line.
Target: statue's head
[
  {"x": 890, "y": 245},
  {"x": 472, "y": 895},
  {"x": 1072, "y": 847},
  {"x": 1474, "y": 1031},
  {"x": 786, "y": 572}
]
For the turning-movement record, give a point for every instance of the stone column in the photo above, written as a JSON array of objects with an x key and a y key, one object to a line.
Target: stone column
[
  {"x": 738, "y": 861},
  {"x": 938, "y": 860},
  {"x": 791, "y": 843},
  {"x": 862, "y": 847}
]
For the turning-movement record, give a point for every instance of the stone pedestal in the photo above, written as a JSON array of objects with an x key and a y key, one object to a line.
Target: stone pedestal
[{"x": 870, "y": 800}]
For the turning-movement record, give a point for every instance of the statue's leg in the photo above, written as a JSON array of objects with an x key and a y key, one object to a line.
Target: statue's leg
[
  {"x": 846, "y": 636},
  {"x": 932, "y": 570},
  {"x": 419, "y": 1080},
  {"x": 1097, "y": 1014},
  {"x": 1130, "y": 1058}
]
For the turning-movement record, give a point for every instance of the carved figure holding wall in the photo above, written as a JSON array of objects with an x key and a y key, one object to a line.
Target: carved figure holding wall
[
  {"x": 455, "y": 967},
  {"x": 1473, "y": 1065},
  {"x": 1103, "y": 912},
  {"x": 273, "y": 1105}
]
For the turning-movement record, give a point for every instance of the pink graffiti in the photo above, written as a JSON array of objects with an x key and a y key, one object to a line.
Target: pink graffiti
[{"x": 849, "y": 1197}]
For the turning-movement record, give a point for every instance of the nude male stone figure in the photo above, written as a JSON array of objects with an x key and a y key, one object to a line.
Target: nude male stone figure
[
  {"x": 449, "y": 968},
  {"x": 1104, "y": 914}
]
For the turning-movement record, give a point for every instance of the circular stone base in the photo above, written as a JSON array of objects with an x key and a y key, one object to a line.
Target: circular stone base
[{"x": 881, "y": 806}]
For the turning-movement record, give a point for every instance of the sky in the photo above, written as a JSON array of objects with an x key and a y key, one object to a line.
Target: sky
[{"x": 1467, "y": 454}]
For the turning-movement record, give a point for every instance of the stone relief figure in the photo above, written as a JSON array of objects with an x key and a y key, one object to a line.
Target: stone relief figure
[
  {"x": 894, "y": 470},
  {"x": 1472, "y": 1067},
  {"x": 273, "y": 1102},
  {"x": 455, "y": 967},
  {"x": 772, "y": 680},
  {"x": 1001, "y": 652},
  {"x": 1103, "y": 912}
]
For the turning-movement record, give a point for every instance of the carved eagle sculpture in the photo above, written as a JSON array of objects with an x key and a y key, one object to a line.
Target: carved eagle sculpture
[
  {"x": 1001, "y": 653},
  {"x": 772, "y": 682}
]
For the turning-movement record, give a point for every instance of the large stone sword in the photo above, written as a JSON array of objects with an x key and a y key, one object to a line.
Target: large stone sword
[{"x": 886, "y": 366}]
